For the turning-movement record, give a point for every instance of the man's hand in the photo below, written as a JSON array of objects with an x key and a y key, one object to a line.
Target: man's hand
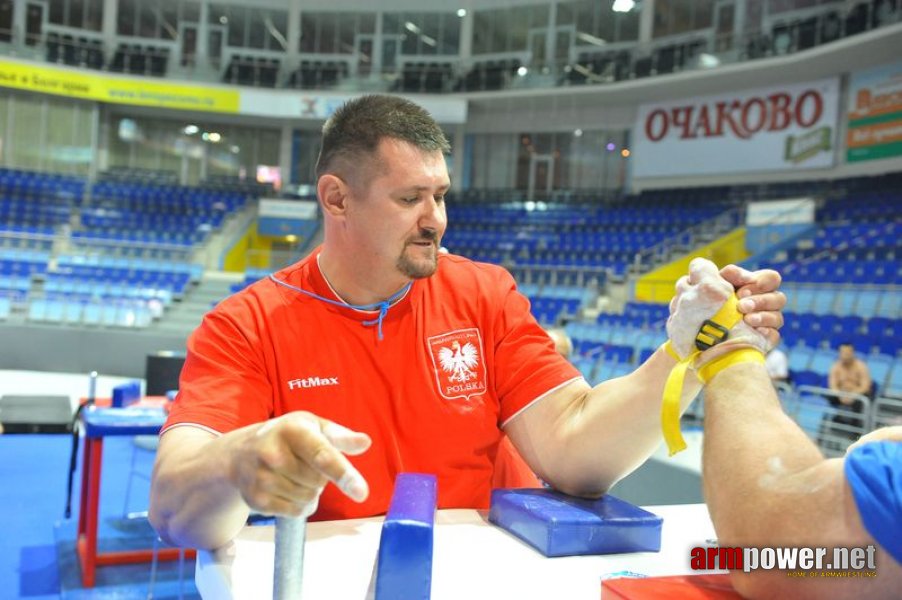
[
  {"x": 759, "y": 299},
  {"x": 282, "y": 466},
  {"x": 701, "y": 294}
]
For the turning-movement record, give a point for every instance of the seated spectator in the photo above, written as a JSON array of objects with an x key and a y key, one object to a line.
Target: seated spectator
[{"x": 851, "y": 375}]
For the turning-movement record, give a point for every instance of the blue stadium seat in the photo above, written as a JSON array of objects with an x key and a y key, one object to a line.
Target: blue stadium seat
[
  {"x": 879, "y": 365},
  {"x": 799, "y": 358},
  {"x": 822, "y": 361},
  {"x": 809, "y": 378},
  {"x": 890, "y": 305},
  {"x": 845, "y": 301},
  {"x": 72, "y": 311},
  {"x": 822, "y": 303},
  {"x": 894, "y": 381},
  {"x": 619, "y": 354},
  {"x": 37, "y": 310}
]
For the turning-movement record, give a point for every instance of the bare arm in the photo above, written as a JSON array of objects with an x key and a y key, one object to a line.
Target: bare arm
[
  {"x": 832, "y": 383},
  {"x": 767, "y": 484},
  {"x": 204, "y": 486},
  {"x": 583, "y": 440},
  {"x": 191, "y": 478}
]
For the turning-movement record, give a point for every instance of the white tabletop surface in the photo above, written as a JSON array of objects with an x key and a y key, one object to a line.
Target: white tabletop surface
[
  {"x": 472, "y": 559},
  {"x": 689, "y": 459}
]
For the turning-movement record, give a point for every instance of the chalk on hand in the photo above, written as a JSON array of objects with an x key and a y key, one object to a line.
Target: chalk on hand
[
  {"x": 404, "y": 563},
  {"x": 556, "y": 524}
]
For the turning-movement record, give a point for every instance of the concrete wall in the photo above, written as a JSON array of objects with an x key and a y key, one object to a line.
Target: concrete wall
[{"x": 79, "y": 350}]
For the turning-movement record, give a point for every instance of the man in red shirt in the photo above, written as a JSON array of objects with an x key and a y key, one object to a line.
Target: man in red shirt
[{"x": 375, "y": 355}]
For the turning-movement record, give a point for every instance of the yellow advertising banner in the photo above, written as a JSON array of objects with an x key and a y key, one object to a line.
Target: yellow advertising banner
[{"x": 116, "y": 90}]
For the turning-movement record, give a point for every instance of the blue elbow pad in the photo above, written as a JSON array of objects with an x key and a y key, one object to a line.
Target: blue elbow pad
[{"x": 874, "y": 473}]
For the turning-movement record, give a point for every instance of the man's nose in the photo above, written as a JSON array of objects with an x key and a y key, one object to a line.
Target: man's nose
[{"x": 433, "y": 217}]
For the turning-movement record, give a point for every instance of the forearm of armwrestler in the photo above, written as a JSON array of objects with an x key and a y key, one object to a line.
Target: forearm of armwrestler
[
  {"x": 193, "y": 501},
  {"x": 583, "y": 440},
  {"x": 767, "y": 485}
]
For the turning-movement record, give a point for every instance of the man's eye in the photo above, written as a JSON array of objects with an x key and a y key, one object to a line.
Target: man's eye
[
  {"x": 410, "y": 200},
  {"x": 439, "y": 199}
]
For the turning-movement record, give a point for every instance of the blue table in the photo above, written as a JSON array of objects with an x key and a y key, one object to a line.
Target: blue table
[{"x": 99, "y": 423}]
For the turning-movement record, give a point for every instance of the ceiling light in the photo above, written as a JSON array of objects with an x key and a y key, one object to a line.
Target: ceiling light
[
  {"x": 623, "y": 6},
  {"x": 708, "y": 61}
]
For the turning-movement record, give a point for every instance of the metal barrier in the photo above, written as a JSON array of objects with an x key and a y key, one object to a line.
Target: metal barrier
[
  {"x": 833, "y": 419},
  {"x": 887, "y": 412},
  {"x": 688, "y": 239}
]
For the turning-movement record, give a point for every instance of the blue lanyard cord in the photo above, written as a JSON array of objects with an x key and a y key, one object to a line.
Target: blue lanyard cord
[{"x": 382, "y": 307}]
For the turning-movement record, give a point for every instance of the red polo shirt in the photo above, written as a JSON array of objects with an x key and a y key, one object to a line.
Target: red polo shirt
[{"x": 460, "y": 355}]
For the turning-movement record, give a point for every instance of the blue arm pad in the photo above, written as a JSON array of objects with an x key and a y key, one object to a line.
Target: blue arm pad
[
  {"x": 556, "y": 524},
  {"x": 100, "y": 422},
  {"x": 404, "y": 564},
  {"x": 126, "y": 393},
  {"x": 874, "y": 473}
]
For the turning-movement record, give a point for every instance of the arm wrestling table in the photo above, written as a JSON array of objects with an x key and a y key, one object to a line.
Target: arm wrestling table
[
  {"x": 99, "y": 423},
  {"x": 472, "y": 559}
]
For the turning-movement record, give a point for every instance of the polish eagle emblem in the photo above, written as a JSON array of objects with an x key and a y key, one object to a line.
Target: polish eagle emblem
[{"x": 459, "y": 361}]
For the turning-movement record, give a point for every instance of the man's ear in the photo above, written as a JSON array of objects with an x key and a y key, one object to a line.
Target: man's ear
[{"x": 333, "y": 194}]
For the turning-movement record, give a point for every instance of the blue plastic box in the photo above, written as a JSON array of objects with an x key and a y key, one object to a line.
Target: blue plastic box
[{"x": 556, "y": 524}]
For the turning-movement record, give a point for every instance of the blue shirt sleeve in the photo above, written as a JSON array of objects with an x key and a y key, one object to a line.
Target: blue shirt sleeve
[{"x": 874, "y": 473}]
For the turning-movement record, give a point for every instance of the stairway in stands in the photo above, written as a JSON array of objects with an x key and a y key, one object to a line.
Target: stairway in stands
[{"x": 182, "y": 317}]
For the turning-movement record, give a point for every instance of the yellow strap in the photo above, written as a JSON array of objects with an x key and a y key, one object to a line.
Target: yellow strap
[
  {"x": 712, "y": 332},
  {"x": 668, "y": 348},
  {"x": 742, "y": 355},
  {"x": 670, "y": 409}
]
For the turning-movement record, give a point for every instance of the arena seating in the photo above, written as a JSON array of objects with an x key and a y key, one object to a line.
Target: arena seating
[
  {"x": 318, "y": 74},
  {"x": 113, "y": 254},
  {"x": 140, "y": 59},
  {"x": 424, "y": 77},
  {"x": 252, "y": 71},
  {"x": 602, "y": 240},
  {"x": 842, "y": 284}
]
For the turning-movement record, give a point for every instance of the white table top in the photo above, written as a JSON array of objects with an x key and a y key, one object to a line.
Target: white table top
[
  {"x": 690, "y": 459},
  {"x": 472, "y": 559}
]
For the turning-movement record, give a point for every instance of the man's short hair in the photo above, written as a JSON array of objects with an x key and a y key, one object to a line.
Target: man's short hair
[{"x": 354, "y": 131}]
